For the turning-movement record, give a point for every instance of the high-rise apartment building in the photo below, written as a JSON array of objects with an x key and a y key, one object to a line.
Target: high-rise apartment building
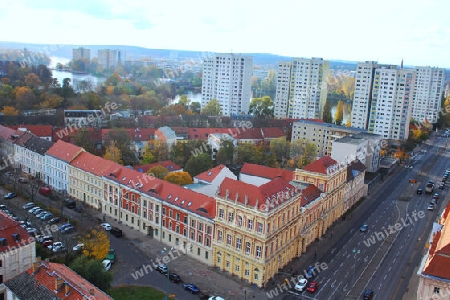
[
  {"x": 428, "y": 90},
  {"x": 391, "y": 106},
  {"x": 228, "y": 78},
  {"x": 301, "y": 88},
  {"x": 81, "y": 53},
  {"x": 110, "y": 59},
  {"x": 363, "y": 93}
]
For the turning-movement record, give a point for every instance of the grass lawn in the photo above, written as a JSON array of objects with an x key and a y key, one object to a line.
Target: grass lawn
[{"x": 136, "y": 293}]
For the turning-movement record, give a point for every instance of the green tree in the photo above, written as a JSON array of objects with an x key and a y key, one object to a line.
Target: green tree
[
  {"x": 280, "y": 147},
  {"x": 326, "y": 117},
  {"x": 339, "y": 114},
  {"x": 184, "y": 101},
  {"x": 158, "y": 171},
  {"x": 212, "y": 108},
  {"x": 195, "y": 107},
  {"x": 226, "y": 151},
  {"x": 197, "y": 164},
  {"x": 250, "y": 153},
  {"x": 83, "y": 139},
  {"x": 93, "y": 271},
  {"x": 261, "y": 106}
]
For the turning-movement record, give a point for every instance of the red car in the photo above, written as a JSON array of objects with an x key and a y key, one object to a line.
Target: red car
[{"x": 312, "y": 287}]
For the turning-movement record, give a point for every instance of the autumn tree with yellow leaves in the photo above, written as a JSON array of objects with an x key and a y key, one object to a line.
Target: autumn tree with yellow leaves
[
  {"x": 10, "y": 111},
  {"x": 113, "y": 153},
  {"x": 180, "y": 178},
  {"x": 96, "y": 244}
]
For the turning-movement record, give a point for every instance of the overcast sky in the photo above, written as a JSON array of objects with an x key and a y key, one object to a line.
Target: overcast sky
[{"x": 387, "y": 31}]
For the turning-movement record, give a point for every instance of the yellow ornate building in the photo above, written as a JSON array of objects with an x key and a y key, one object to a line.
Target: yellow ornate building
[{"x": 256, "y": 228}]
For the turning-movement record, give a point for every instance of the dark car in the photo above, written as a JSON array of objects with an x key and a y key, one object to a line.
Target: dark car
[
  {"x": 54, "y": 220},
  {"x": 174, "y": 277},
  {"x": 191, "y": 287},
  {"x": 68, "y": 229},
  {"x": 419, "y": 191},
  {"x": 368, "y": 295},
  {"x": 10, "y": 195},
  {"x": 116, "y": 232},
  {"x": 162, "y": 269}
]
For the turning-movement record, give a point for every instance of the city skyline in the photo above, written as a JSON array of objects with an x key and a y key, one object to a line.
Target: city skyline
[{"x": 388, "y": 32}]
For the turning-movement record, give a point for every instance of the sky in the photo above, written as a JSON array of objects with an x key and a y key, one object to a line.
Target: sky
[{"x": 387, "y": 31}]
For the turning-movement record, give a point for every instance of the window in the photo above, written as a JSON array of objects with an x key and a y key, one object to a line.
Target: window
[
  {"x": 228, "y": 239},
  {"x": 219, "y": 236},
  {"x": 193, "y": 223},
  {"x": 200, "y": 239},
  {"x": 177, "y": 229},
  {"x": 260, "y": 227},
  {"x": 164, "y": 211},
  {"x": 256, "y": 276},
  {"x": 208, "y": 229},
  {"x": 185, "y": 232},
  {"x": 206, "y": 254},
  {"x": 230, "y": 217},
  {"x": 250, "y": 224},
  {"x": 238, "y": 243},
  {"x": 247, "y": 272},
  {"x": 258, "y": 251},
  {"x": 170, "y": 213},
  {"x": 178, "y": 216},
  {"x": 437, "y": 290},
  {"x": 247, "y": 247},
  {"x": 218, "y": 260},
  {"x": 200, "y": 226},
  {"x": 237, "y": 268},
  {"x": 221, "y": 213},
  {"x": 198, "y": 251},
  {"x": 185, "y": 219},
  {"x": 239, "y": 220},
  {"x": 228, "y": 264}
]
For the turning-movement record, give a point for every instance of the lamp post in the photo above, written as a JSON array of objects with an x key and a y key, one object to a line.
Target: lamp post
[{"x": 245, "y": 294}]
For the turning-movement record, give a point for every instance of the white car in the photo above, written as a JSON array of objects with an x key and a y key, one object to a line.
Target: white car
[
  {"x": 107, "y": 264},
  {"x": 78, "y": 247},
  {"x": 106, "y": 226},
  {"x": 55, "y": 245},
  {"x": 301, "y": 285}
]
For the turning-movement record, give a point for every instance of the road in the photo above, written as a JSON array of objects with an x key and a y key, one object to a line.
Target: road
[{"x": 384, "y": 257}]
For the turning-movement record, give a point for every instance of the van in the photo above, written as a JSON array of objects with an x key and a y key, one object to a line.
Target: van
[
  {"x": 45, "y": 190},
  {"x": 69, "y": 203}
]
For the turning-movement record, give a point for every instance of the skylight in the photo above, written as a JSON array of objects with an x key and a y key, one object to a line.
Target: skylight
[
  {"x": 182, "y": 202},
  {"x": 124, "y": 178},
  {"x": 190, "y": 203},
  {"x": 209, "y": 173},
  {"x": 176, "y": 199},
  {"x": 170, "y": 196}
]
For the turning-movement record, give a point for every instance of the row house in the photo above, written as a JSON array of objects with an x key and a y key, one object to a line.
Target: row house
[
  {"x": 329, "y": 177},
  {"x": 138, "y": 137},
  {"x": 57, "y": 160},
  {"x": 42, "y": 131},
  {"x": 7, "y": 137},
  {"x": 32, "y": 156},
  {"x": 174, "y": 215},
  {"x": 17, "y": 248},
  {"x": 20, "y": 138},
  {"x": 85, "y": 178},
  {"x": 256, "y": 228}
]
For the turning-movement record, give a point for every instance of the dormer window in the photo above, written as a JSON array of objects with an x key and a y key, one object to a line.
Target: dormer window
[
  {"x": 170, "y": 196},
  {"x": 176, "y": 199},
  {"x": 3, "y": 242},
  {"x": 16, "y": 237}
]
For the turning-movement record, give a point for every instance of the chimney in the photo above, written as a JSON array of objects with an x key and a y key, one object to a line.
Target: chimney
[
  {"x": 37, "y": 264},
  {"x": 246, "y": 200},
  {"x": 58, "y": 283}
]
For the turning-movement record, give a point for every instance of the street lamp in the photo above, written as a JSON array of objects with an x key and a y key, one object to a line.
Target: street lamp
[{"x": 245, "y": 294}]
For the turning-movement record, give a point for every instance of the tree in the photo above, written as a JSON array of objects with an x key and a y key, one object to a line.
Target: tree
[
  {"x": 184, "y": 101},
  {"x": 25, "y": 98},
  {"x": 157, "y": 149},
  {"x": 113, "y": 153},
  {"x": 121, "y": 139},
  {"x": 32, "y": 80},
  {"x": 93, "y": 271},
  {"x": 158, "y": 171},
  {"x": 180, "y": 178},
  {"x": 195, "y": 107},
  {"x": 83, "y": 139},
  {"x": 280, "y": 147},
  {"x": 247, "y": 152},
  {"x": 261, "y": 106},
  {"x": 225, "y": 154},
  {"x": 339, "y": 114},
  {"x": 197, "y": 164},
  {"x": 50, "y": 100},
  {"x": 326, "y": 116},
  {"x": 212, "y": 108},
  {"x": 96, "y": 244},
  {"x": 9, "y": 111}
]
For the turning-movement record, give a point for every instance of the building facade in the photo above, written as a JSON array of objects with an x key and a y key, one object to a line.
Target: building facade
[
  {"x": 392, "y": 98},
  {"x": 301, "y": 88},
  {"x": 428, "y": 90},
  {"x": 109, "y": 59},
  {"x": 228, "y": 78},
  {"x": 81, "y": 53}
]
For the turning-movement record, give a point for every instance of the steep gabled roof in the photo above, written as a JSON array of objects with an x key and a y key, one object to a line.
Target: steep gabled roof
[
  {"x": 6, "y": 133},
  {"x": 309, "y": 194},
  {"x": 93, "y": 164},
  {"x": 16, "y": 236},
  {"x": 37, "y": 130},
  {"x": 266, "y": 172},
  {"x": 169, "y": 165},
  {"x": 211, "y": 174},
  {"x": 64, "y": 151},
  {"x": 272, "y": 132},
  {"x": 320, "y": 165},
  {"x": 38, "y": 145}
]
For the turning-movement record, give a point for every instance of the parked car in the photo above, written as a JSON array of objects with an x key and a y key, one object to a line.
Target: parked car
[
  {"x": 442, "y": 185},
  {"x": 116, "y": 232},
  {"x": 46, "y": 191},
  {"x": 47, "y": 243},
  {"x": 69, "y": 229},
  {"x": 162, "y": 268},
  {"x": 10, "y": 196},
  {"x": 436, "y": 196},
  {"x": 312, "y": 287},
  {"x": 47, "y": 217},
  {"x": 301, "y": 285},
  {"x": 107, "y": 264},
  {"x": 111, "y": 256},
  {"x": 419, "y": 191},
  {"x": 54, "y": 220},
  {"x": 310, "y": 272},
  {"x": 174, "y": 277},
  {"x": 79, "y": 209},
  {"x": 29, "y": 205},
  {"x": 106, "y": 226},
  {"x": 55, "y": 244},
  {"x": 3, "y": 207},
  {"x": 431, "y": 207},
  {"x": 364, "y": 228},
  {"x": 59, "y": 249},
  {"x": 191, "y": 287},
  {"x": 78, "y": 247},
  {"x": 45, "y": 238},
  {"x": 42, "y": 213},
  {"x": 62, "y": 227},
  {"x": 37, "y": 211},
  {"x": 33, "y": 209}
]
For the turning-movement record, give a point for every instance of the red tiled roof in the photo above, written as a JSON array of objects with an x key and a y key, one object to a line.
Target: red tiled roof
[
  {"x": 256, "y": 196},
  {"x": 203, "y": 133},
  {"x": 37, "y": 130},
  {"x": 48, "y": 273},
  {"x": 93, "y": 164},
  {"x": 136, "y": 134},
  {"x": 64, "y": 151},
  {"x": 169, "y": 165},
  {"x": 6, "y": 133},
  {"x": 211, "y": 174},
  {"x": 310, "y": 194},
  {"x": 8, "y": 227},
  {"x": 193, "y": 201},
  {"x": 266, "y": 172},
  {"x": 272, "y": 132},
  {"x": 249, "y": 134},
  {"x": 320, "y": 165}
]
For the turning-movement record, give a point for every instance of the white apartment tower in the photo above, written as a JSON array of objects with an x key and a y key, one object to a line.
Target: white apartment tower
[
  {"x": 363, "y": 93},
  {"x": 428, "y": 90},
  {"x": 391, "y": 107},
  {"x": 81, "y": 53},
  {"x": 301, "y": 88},
  {"x": 228, "y": 79},
  {"x": 110, "y": 59}
]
